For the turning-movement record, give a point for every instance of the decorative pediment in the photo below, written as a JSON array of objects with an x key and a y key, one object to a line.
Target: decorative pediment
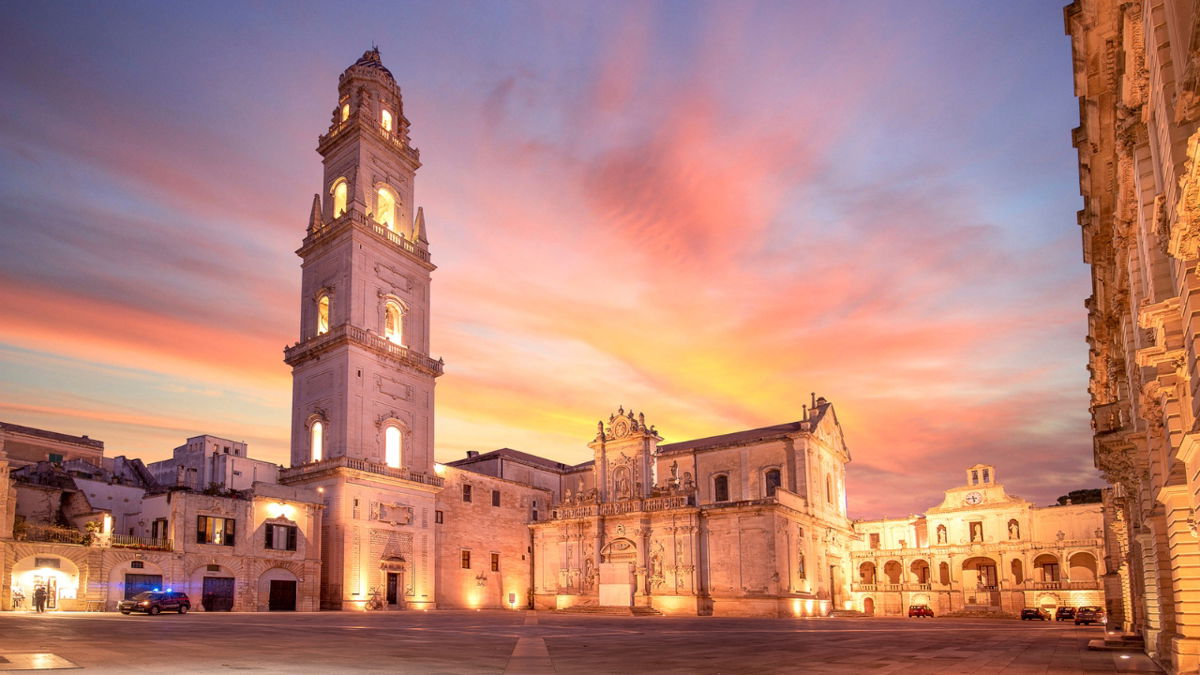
[{"x": 622, "y": 424}]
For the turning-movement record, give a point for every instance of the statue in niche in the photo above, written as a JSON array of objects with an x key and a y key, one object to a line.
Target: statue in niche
[
  {"x": 1014, "y": 531},
  {"x": 941, "y": 534},
  {"x": 589, "y": 572},
  {"x": 675, "y": 473},
  {"x": 688, "y": 483},
  {"x": 622, "y": 488},
  {"x": 567, "y": 496},
  {"x": 976, "y": 532},
  {"x": 800, "y": 570}
]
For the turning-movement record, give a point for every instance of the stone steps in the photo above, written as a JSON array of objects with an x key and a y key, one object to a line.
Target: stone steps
[
  {"x": 847, "y": 613},
  {"x": 611, "y": 611},
  {"x": 1122, "y": 643}
]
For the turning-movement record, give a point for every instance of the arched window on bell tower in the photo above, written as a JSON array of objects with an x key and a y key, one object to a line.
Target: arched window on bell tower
[
  {"x": 393, "y": 322},
  {"x": 385, "y": 208},
  {"x": 316, "y": 441},
  {"x": 345, "y": 110},
  {"x": 339, "y": 191},
  {"x": 386, "y": 121},
  {"x": 392, "y": 438},
  {"x": 323, "y": 315}
]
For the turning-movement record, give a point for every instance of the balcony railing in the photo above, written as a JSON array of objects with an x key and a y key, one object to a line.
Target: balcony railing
[
  {"x": 1062, "y": 585},
  {"x": 367, "y": 339},
  {"x": 360, "y": 221},
  {"x": 359, "y": 465},
  {"x": 1109, "y": 418},
  {"x": 131, "y": 541},
  {"x": 51, "y": 534}
]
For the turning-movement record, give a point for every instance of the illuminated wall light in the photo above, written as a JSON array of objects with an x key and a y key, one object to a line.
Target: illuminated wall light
[
  {"x": 280, "y": 510},
  {"x": 796, "y": 607},
  {"x": 808, "y": 606},
  {"x": 439, "y": 469}
]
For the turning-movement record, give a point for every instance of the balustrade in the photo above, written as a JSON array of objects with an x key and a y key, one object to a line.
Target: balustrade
[{"x": 360, "y": 465}]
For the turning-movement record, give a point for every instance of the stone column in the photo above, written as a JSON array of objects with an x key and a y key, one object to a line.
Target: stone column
[
  {"x": 1151, "y": 622},
  {"x": 1184, "y": 559}
]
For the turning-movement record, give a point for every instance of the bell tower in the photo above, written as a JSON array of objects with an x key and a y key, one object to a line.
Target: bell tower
[{"x": 362, "y": 377}]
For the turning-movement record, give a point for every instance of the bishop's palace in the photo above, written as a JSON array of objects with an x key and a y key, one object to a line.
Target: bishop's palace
[{"x": 747, "y": 523}]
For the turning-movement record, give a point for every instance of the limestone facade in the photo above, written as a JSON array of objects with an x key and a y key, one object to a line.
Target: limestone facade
[
  {"x": 749, "y": 523},
  {"x": 484, "y": 544},
  {"x": 92, "y": 540},
  {"x": 1137, "y": 75},
  {"x": 980, "y": 551}
]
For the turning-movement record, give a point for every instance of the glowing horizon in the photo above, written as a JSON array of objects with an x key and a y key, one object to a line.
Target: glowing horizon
[{"x": 702, "y": 212}]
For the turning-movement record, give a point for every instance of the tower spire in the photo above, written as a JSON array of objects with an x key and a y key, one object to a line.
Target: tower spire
[
  {"x": 419, "y": 226},
  {"x": 314, "y": 217}
]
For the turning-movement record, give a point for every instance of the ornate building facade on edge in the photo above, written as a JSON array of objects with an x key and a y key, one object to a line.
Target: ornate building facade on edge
[
  {"x": 1137, "y": 76},
  {"x": 980, "y": 551}
]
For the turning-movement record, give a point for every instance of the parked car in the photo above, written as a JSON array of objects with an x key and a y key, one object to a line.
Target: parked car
[
  {"x": 1034, "y": 614},
  {"x": 920, "y": 611},
  {"x": 1089, "y": 615},
  {"x": 1064, "y": 614},
  {"x": 153, "y": 602}
]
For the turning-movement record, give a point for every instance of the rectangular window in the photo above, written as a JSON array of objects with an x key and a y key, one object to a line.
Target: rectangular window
[
  {"x": 438, "y": 517},
  {"x": 213, "y": 568},
  {"x": 874, "y": 540},
  {"x": 158, "y": 528},
  {"x": 495, "y": 498},
  {"x": 281, "y": 537},
  {"x": 466, "y": 559},
  {"x": 535, "y": 510},
  {"x": 56, "y": 458},
  {"x": 466, "y": 493},
  {"x": 46, "y": 562},
  {"x": 137, "y": 564},
  {"x": 495, "y": 562},
  {"x": 214, "y": 530}
]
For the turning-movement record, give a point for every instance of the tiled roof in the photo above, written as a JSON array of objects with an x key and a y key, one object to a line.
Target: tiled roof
[
  {"x": 517, "y": 455},
  {"x": 746, "y": 436}
]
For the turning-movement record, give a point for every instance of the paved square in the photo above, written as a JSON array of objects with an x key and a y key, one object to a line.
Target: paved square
[{"x": 525, "y": 642}]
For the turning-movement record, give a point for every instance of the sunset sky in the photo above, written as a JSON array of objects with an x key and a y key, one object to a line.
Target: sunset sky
[{"x": 701, "y": 211}]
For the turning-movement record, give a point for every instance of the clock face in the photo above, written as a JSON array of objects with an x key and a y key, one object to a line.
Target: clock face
[{"x": 973, "y": 498}]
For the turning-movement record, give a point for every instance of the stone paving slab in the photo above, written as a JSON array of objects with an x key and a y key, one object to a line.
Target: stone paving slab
[{"x": 528, "y": 642}]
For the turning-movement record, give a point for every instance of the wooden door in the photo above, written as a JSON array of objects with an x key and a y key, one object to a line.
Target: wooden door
[{"x": 283, "y": 596}]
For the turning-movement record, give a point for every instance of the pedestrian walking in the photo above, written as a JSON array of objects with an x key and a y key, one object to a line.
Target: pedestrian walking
[{"x": 39, "y": 599}]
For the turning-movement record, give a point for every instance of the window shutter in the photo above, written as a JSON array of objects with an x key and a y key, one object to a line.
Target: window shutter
[
  {"x": 200, "y": 530},
  {"x": 229, "y": 531},
  {"x": 291, "y": 539},
  {"x": 268, "y": 543}
]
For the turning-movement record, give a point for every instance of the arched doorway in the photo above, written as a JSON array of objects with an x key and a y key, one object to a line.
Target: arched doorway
[
  {"x": 980, "y": 583},
  {"x": 892, "y": 571},
  {"x": 56, "y": 576},
  {"x": 868, "y": 606},
  {"x": 279, "y": 587},
  {"x": 131, "y": 577},
  {"x": 1045, "y": 568},
  {"x": 617, "y": 582},
  {"x": 866, "y": 573},
  {"x": 920, "y": 572},
  {"x": 1083, "y": 567}
]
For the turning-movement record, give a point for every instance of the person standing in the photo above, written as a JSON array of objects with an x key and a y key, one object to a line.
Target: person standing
[{"x": 39, "y": 599}]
